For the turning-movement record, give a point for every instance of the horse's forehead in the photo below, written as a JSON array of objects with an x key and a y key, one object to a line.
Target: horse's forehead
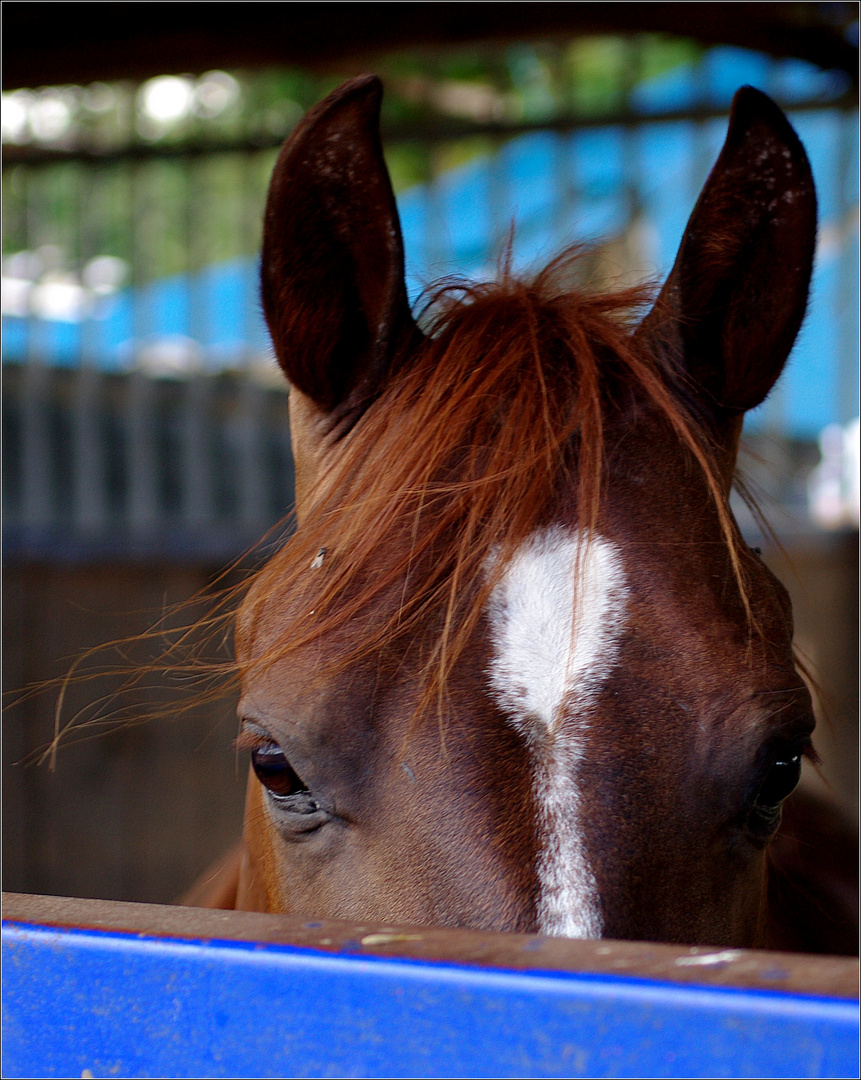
[
  {"x": 279, "y": 671},
  {"x": 647, "y": 595},
  {"x": 263, "y": 613},
  {"x": 555, "y": 620}
]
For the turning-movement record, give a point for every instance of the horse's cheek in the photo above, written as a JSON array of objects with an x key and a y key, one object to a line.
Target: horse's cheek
[{"x": 258, "y": 887}]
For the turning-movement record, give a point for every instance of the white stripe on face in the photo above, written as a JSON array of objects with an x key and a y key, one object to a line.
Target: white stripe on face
[{"x": 556, "y": 618}]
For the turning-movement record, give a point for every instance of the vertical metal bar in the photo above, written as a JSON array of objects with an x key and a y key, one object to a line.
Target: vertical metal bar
[
  {"x": 256, "y": 171},
  {"x": 253, "y": 476},
  {"x": 419, "y": 254},
  {"x": 37, "y": 503},
  {"x": 197, "y": 466},
  {"x": 846, "y": 293},
  {"x": 89, "y": 503},
  {"x": 499, "y": 212},
  {"x": 438, "y": 252},
  {"x": 559, "y": 223},
  {"x": 142, "y": 500},
  {"x": 565, "y": 199},
  {"x": 252, "y": 472},
  {"x": 252, "y": 211},
  {"x": 198, "y": 501},
  {"x": 632, "y": 236}
]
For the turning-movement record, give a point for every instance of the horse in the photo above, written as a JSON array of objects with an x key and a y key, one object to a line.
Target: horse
[{"x": 516, "y": 669}]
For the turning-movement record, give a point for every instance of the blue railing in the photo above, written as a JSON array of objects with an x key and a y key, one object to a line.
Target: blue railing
[{"x": 82, "y": 1001}]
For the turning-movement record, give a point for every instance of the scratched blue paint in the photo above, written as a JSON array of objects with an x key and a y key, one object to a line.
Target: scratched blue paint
[{"x": 130, "y": 1005}]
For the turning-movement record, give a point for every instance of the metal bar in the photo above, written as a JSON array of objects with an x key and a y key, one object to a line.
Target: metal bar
[
  {"x": 251, "y": 467},
  {"x": 142, "y": 497},
  {"x": 443, "y": 130},
  {"x": 139, "y": 417},
  {"x": 90, "y": 1000},
  {"x": 37, "y": 503},
  {"x": 36, "y": 495},
  {"x": 89, "y": 495},
  {"x": 846, "y": 293},
  {"x": 88, "y": 501},
  {"x": 197, "y": 466}
]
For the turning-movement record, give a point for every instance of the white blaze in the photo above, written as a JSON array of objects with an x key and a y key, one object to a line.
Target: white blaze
[{"x": 556, "y": 617}]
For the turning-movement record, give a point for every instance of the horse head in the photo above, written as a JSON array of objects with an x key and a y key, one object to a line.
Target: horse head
[{"x": 516, "y": 669}]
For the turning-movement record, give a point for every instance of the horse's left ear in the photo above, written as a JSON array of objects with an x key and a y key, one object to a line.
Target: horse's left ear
[
  {"x": 731, "y": 308},
  {"x": 332, "y": 269}
]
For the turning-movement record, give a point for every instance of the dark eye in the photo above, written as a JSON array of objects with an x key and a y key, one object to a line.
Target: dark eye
[
  {"x": 275, "y": 772},
  {"x": 780, "y": 781}
]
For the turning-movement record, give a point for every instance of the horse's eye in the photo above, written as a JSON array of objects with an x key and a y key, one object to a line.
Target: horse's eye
[
  {"x": 274, "y": 770},
  {"x": 780, "y": 781}
]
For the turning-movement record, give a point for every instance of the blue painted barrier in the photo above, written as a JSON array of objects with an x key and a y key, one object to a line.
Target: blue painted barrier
[{"x": 92, "y": 1002}]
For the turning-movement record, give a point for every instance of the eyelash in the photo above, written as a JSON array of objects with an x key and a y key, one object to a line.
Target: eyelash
[{"x": 250, "y": 738}]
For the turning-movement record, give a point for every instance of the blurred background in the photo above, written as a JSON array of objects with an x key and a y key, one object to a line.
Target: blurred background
[{"x": 145, "y": 440}]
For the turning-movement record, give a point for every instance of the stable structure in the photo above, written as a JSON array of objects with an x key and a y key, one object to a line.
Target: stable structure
[
  {"x": 139, "y": 990},
  {"x": 109, "y": 464}
]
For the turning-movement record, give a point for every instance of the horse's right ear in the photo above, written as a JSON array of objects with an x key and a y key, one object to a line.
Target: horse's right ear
[
  {"x": 735, "y": 298},
  {"x": 332, "y": 272}
]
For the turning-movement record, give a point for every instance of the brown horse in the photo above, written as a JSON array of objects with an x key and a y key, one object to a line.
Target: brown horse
[{"x": 517, "y": 670}]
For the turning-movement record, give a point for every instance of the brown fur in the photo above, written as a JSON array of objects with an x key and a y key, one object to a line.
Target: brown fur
[
  {"x": 465, "y": 453},
  {"x": 424, "y": 459}
]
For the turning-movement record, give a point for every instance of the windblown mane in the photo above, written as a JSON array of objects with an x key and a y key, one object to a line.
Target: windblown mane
[
  {"x": 456, "y": 463},
  {"x": 461, "y": 458}
]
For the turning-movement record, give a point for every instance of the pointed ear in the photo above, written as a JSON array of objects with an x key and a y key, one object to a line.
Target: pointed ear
[
  {"x": 729, "y": 312},
  {"x": 332, "y": 272}
]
